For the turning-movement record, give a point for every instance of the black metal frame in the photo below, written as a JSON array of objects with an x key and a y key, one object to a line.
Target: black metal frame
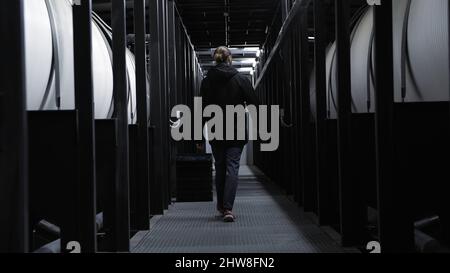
[
  {"x": 54, "y": 187},
  {"x": 295, "y": 11},
  {"x": 156, "y": 107},
  {"x": 172, "y": 89},
  {"x": 384, "y": 122},
  {"x": 283, "y": 79},
  {"x": 184, "y": 84},
  {"x": 142, "y": 164},
  {"x": 13, "y": 132},
  {"x": 122, "y": 215},
  {"x": 175, "y": 78},
  {"x": 320, "y": 31},
  {"x": 165, "y": 111},
  {"x": 319, "y": 190},
  {"x": 350, "y": 206},
  {"x": 306, "y": 154},
  {"x": 80, "y": 157},
  {"x": 84, "y": 103},
  {"x": 395, "y": 234},
  {"x": 211, "y": 30}
]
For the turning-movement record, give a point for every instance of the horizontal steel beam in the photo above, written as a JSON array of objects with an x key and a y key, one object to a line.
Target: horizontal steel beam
[
  {"x": 245, "y": 20},
  {"x": 243, "y": 30},
  {"x": 298, "y": 7},
  {"x": 106, "y": 7},
  {"x": 232, "y": 11}
]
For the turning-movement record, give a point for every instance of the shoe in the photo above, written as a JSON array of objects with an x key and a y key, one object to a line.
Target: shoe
[{"x": 228, "y": 216}]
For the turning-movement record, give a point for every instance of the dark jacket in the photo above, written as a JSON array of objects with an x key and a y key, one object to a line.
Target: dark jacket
[{"x": 225, "y": 86}]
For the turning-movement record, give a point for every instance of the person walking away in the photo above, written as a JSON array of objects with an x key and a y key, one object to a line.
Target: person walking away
[{"x": 223, "y": 86}]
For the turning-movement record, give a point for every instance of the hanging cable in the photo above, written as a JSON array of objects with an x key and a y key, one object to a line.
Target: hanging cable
[
  {"x": 406, "y": 65},
  {"x": 55, "y": 59},
  {"x": 370, "y": 69},
  {"x": 404, "y": 49}
]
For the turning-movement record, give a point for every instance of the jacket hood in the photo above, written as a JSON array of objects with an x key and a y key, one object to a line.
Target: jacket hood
[{"x": 222, "y": 73}]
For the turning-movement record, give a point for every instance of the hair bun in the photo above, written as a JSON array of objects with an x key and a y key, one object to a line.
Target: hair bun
[
  {"x": 218, "y": 57},
  {"x": 222, "y": 54}
]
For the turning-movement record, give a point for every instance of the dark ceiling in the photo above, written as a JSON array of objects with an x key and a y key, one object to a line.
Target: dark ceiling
[
  {"x": 212, "y": 23},
  {"x": 234, "y": 23}
]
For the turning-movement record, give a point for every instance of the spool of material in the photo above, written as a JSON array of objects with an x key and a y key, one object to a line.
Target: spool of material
[
  {"x": 427, "y": 67},
  {"x": 38, "y": 52},
  {"x": 50, "y": 66},
  {"x": 420, "y": 54}
]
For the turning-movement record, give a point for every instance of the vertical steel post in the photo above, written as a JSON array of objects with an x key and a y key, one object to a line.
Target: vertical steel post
[
  {"x": 297, "y": 119},
  {"x": 13, "y": 131},
  {"x": 295, "y": 116},
  {"x": 84, "y": 103},
  {"x": 142, "y": 168},
  {"x": 173, "y": 77},
  {"x": 165, "y": 103},
  {"x": 305, "y": 123},
  {"x": 122, "y": 217},
  {"x": 320, "y": 44},
  {"x": 156, "y": 185},
  {"x": 350, "y": 196},
  {"x": 395, "y": 233}
]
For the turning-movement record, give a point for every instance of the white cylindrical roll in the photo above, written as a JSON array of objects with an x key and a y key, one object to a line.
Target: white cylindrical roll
[
  {"x": 102, "y": 74},
  {"x": 331, "y": 82},
  {"x": 49, "y": 38},
  {"x": 38, "y": 52},
  {"x": 425, "y": 52},
  {"x": 61, "y": 18},
  {"x": 360, "y": 72},
  {"x": 428, "y": 51}
]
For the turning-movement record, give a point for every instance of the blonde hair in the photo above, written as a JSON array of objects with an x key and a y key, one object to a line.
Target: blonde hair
[{"x": 222, "y": 55}]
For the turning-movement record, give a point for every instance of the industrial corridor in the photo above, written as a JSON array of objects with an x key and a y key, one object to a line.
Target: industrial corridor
[{"x": 253, "y": 129}]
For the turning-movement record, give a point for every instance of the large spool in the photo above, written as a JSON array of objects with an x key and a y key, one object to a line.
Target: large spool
[
  {"x": 50, "y": 66},
  {"x": 421, "y": 57}
]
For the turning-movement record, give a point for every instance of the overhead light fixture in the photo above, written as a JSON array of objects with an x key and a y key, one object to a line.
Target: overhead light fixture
[{"x": 245, "y": 69}]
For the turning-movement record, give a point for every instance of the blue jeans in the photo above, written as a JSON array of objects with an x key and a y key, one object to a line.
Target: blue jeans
[{"x": 227, "y": 162}]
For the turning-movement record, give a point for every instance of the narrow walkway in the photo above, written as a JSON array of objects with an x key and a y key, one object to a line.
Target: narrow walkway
[{"x": 266, "y": 222}]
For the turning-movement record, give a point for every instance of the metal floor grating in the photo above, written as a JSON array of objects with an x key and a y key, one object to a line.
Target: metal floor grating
[{"x": 266, "y": 222}]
